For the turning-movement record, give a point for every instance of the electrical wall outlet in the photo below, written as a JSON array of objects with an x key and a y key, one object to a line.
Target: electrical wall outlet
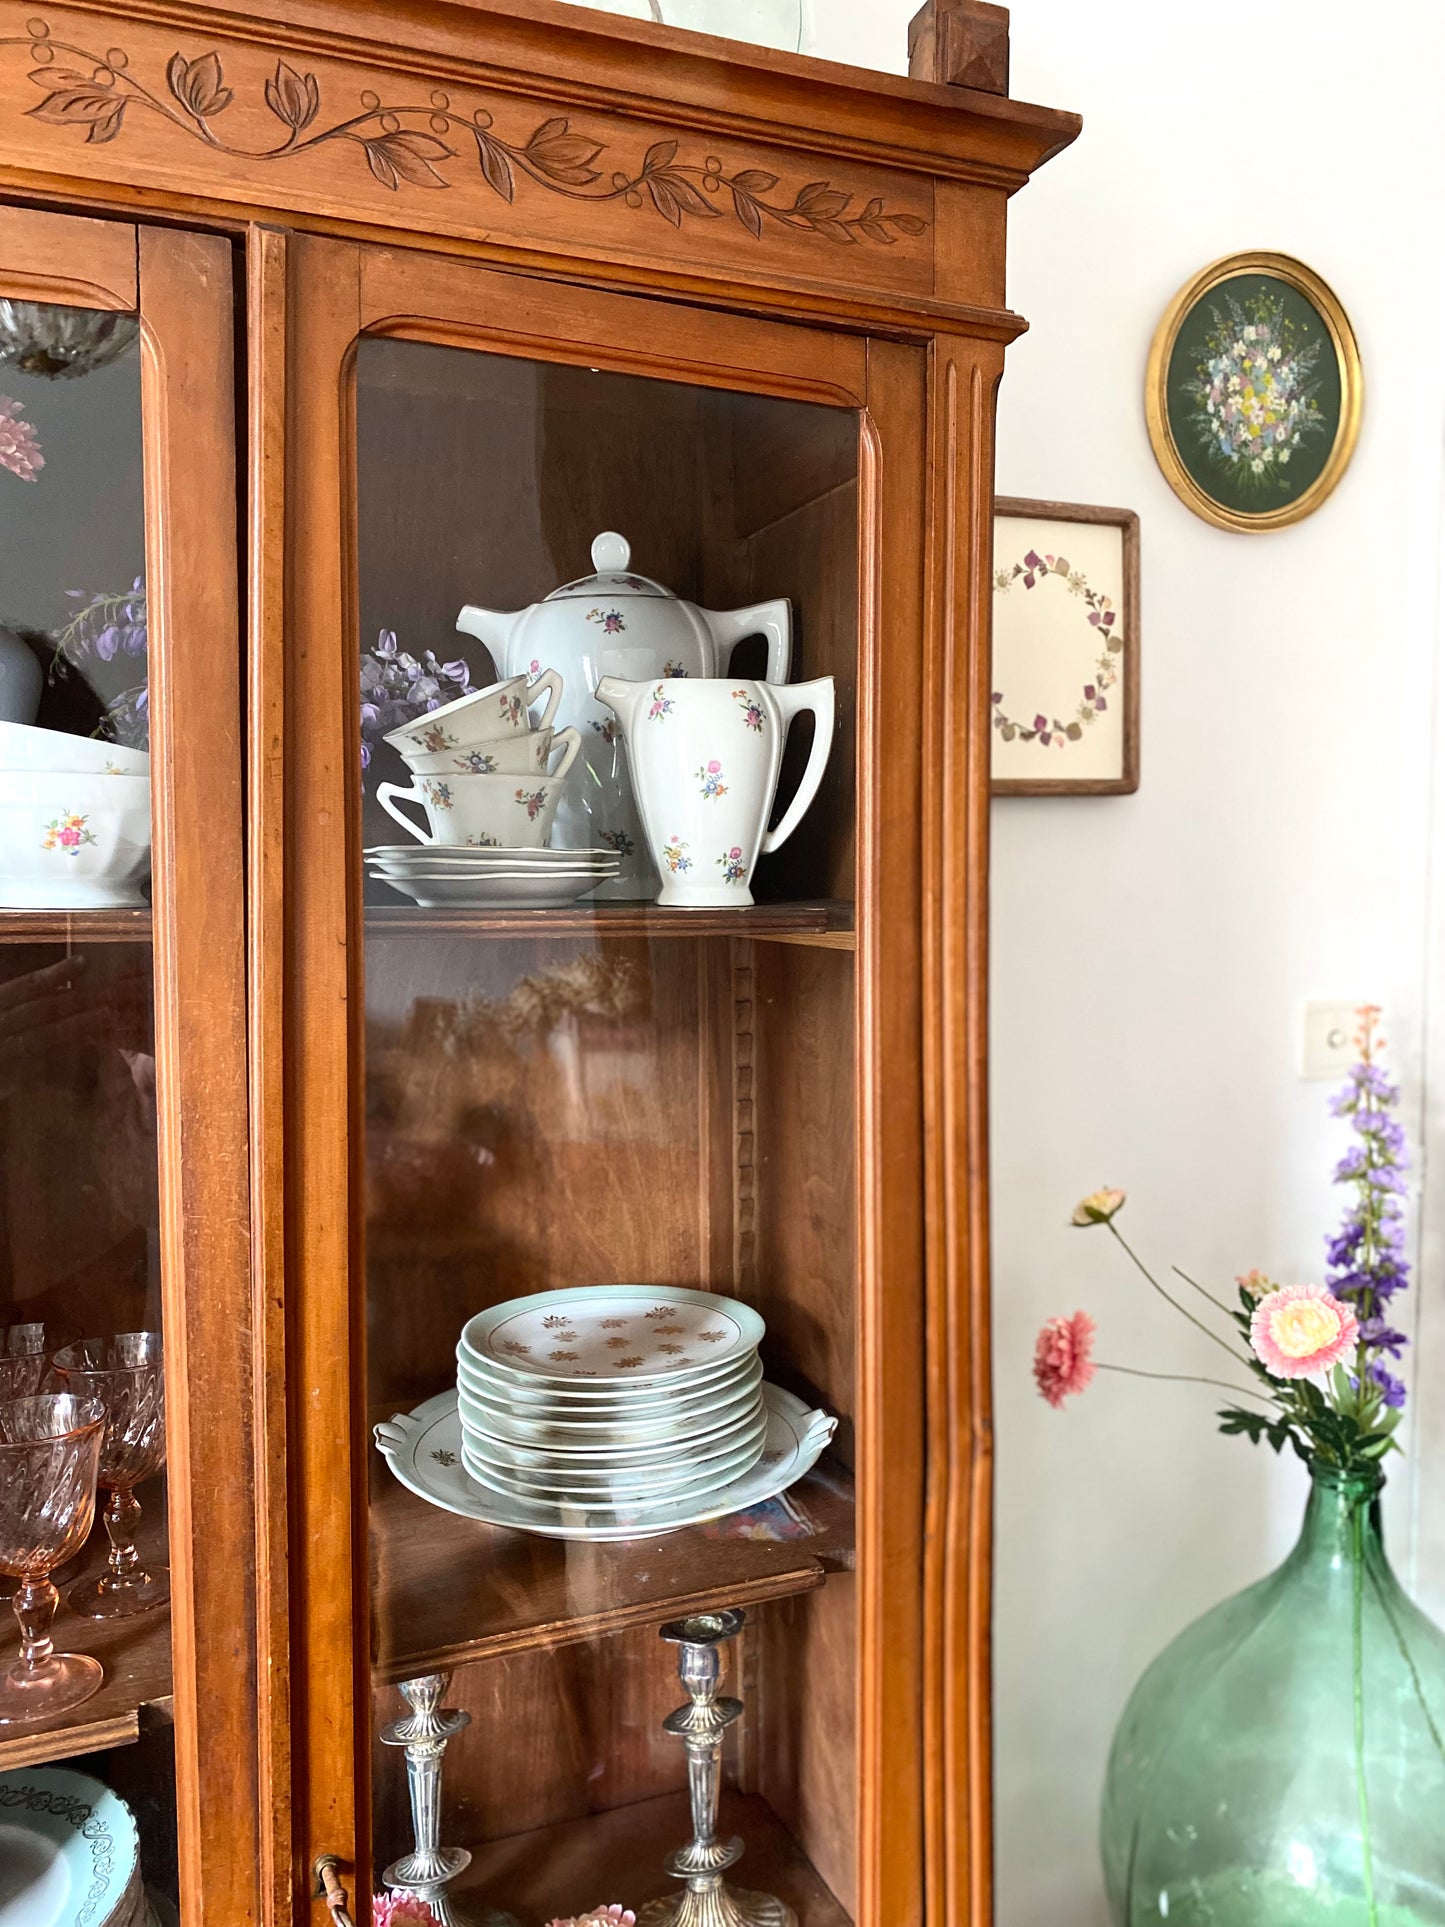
[{"x": 1329, "y": 1038}]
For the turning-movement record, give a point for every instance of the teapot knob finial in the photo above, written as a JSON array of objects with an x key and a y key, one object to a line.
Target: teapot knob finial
[{"x": 611, "y": 554}]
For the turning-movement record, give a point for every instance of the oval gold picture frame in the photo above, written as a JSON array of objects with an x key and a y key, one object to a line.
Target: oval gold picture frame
[{"x": 1157, "y": 403}]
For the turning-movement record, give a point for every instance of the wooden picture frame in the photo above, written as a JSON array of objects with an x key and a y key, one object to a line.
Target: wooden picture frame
[{"x": 1106, "y": 598}]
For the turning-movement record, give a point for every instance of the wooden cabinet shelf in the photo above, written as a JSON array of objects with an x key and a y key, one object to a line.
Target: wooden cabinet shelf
[
  {"x": 75, "y": 926},
  {"x": 826, "y": 923},
  {"x": 618, "y": 1855},
  {"x": 136, "y": 1655},
  {"x": 455, "y": 1590}
]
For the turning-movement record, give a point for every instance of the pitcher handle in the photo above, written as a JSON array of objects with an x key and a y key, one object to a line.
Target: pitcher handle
[
  {"x": 791, "y": 698},
  {"x": 573, "y": 739},
  {"x": 549, "y": 680},
  {"x": 384, "y": 794},
  {"x": 771, "y": 619}
]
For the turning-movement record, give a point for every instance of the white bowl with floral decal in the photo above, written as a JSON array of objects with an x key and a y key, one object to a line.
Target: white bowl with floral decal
[
  {"x": 527, "y": 753},
  {"x": 498, "y": 713},
  {"x": 24, "y": 747},
  {"x": 489, "y": 812},
  {"x": 73, "y": 841}
]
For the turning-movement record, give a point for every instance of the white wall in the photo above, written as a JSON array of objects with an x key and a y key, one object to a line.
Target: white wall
[{"x": 1152, "y": 954}]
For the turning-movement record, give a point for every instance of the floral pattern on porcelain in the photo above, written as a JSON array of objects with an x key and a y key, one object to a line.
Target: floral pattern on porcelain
[
  {"x": 620, "y": 841},
  {"x": 533, "y": 801},
  {"x": 68, "y": 832},
  {"x": 674, "y": 855},
  {"x": 438, "y": 794},
  {"x": 662, "y": 705},
  {"x": 513, "y": 709},
  {"x": 611, "y": 620},
  {"x": 477, "y": 762},
  {"x": 733, "y": 868},
  {"x": 436, "y": 738},
  {"x": 752, "y": 714},
  {"x": 482, "y": 841},
  {"x": 674, "y": 671},
  {"x": 607, "y": 731},
  {"x": 710, "y": 776}
]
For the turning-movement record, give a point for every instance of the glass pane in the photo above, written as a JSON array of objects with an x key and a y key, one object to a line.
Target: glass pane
[
  {"x": 79, "y": 1253},
  {"x": 642, "y": 1107}
]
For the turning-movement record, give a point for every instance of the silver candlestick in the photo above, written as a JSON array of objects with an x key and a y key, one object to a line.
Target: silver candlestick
[
  {"x": 427, "y": 1871},
  {"x": 707, "y": 1900}
]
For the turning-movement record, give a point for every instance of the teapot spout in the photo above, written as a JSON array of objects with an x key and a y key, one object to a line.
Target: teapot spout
[{"x": 491, "y": 626}]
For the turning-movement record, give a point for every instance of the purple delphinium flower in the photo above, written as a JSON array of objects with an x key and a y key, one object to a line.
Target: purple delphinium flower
[{"x": 1366, "y": 1258}]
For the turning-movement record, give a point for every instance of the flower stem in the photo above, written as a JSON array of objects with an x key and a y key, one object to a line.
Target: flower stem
[
  {"x": 1203, "y": 1291},
  {"x": 1186, "y": 1378},
  {"x": 1358, "y": 1641},
  {"x": 1183, "y": 1310}
]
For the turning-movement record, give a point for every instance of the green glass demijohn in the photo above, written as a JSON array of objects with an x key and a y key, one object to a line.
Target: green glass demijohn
[{"x": 1282, "y": 1763}]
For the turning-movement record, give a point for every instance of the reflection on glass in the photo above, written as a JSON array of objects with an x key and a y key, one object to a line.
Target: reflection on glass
[
  {"x": 572, "y": 1090},
  {"x": 74, "y": 714},
  {"x": 79, "y": 1231}
]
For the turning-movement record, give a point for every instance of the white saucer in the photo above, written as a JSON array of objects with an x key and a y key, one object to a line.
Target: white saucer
[
  {"x": 424, "y": 1450},
  {"x": 517, "y": 891}
]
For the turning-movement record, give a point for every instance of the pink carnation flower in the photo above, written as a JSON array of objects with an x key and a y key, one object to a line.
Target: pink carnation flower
[
  {"x": 1062, "y": 1364},
  {"x": 397, "y": 1910},
  {"x": 19, "y": 444},
  {"x": 1301, "y": 1331}
]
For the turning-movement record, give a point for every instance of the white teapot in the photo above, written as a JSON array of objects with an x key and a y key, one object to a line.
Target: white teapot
[{"x": 618, "y": 624}]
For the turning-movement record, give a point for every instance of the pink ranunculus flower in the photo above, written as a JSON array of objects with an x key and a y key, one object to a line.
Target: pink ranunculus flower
[
  {"x": 1302, "y": 1331},
  {"x": 1062, "y": 1362},
  {"x": 1098, "y": 1207},
  {"x": 401, "y": 1910},
  {"x": 1255, "y": 1283}
]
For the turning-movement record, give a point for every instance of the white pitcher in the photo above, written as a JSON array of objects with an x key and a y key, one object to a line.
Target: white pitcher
[
  {"x": 619, "y": 624},
  {"x": 705, "y": 759}
]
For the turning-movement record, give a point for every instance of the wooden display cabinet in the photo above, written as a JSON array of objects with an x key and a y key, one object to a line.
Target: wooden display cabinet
[{"x": 435, "y": 292}]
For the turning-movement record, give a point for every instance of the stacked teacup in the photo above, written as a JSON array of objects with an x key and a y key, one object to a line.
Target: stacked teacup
[
  {"x": 75, "y": 821},
  {"x": 489, "y": 782},
  {"x": 617, "y": 1399}
]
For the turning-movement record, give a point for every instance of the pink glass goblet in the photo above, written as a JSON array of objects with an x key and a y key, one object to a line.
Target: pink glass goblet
[
  {"x": 49, "y": 1455},
  {"x": 22, "y": 1360},
  {"x": 125, "y": 1373}
]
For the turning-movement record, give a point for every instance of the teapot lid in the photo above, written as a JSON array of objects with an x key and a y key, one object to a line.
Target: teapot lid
[{"x": 610, "y": 556}]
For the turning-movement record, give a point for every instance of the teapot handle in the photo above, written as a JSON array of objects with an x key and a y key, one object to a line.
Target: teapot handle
[
  {"x": 771, "y": 619},
  {"x": 385, "y": 792},
  {"x": 792, "y": 697}
]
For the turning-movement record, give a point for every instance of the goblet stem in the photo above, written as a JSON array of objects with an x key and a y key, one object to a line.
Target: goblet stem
[
  {"x": 122, "y": 1515},
  {"x": 35, "y": 1603}
]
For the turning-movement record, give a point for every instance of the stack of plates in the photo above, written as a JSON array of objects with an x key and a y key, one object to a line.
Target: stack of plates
[
  {"x": 615, "y": 1398},
  {"x": 69, "y": 1856},
  {"x": 444, "y": 876}
]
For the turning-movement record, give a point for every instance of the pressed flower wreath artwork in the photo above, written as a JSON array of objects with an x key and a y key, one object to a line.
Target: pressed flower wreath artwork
[
  {"x": 1253, "y": 392},
  {"x": 1065, "y": 649},
  {"x": 1282, "y": 1762}
]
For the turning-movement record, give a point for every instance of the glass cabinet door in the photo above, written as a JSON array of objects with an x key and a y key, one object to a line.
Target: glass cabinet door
[
  {"x": 614, "y": 1294},
  {"x": 122, "y": 1093}
]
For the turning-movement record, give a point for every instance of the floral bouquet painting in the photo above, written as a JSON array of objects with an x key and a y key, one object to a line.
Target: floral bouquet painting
[
  {"x": 1282, "y": 1762},
  {"x": 1254, "y": 392}
]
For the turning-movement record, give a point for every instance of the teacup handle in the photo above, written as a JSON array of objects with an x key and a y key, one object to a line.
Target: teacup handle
[
  {"x": 572, "y": 738},
  {"x": 792, "y": 697},
  {"x": 548, "y": 680},
  {"x": 386, "y": 791}
]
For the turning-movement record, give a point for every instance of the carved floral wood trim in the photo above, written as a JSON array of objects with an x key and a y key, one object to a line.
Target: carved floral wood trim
[{"x": 99, "y": 93}]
